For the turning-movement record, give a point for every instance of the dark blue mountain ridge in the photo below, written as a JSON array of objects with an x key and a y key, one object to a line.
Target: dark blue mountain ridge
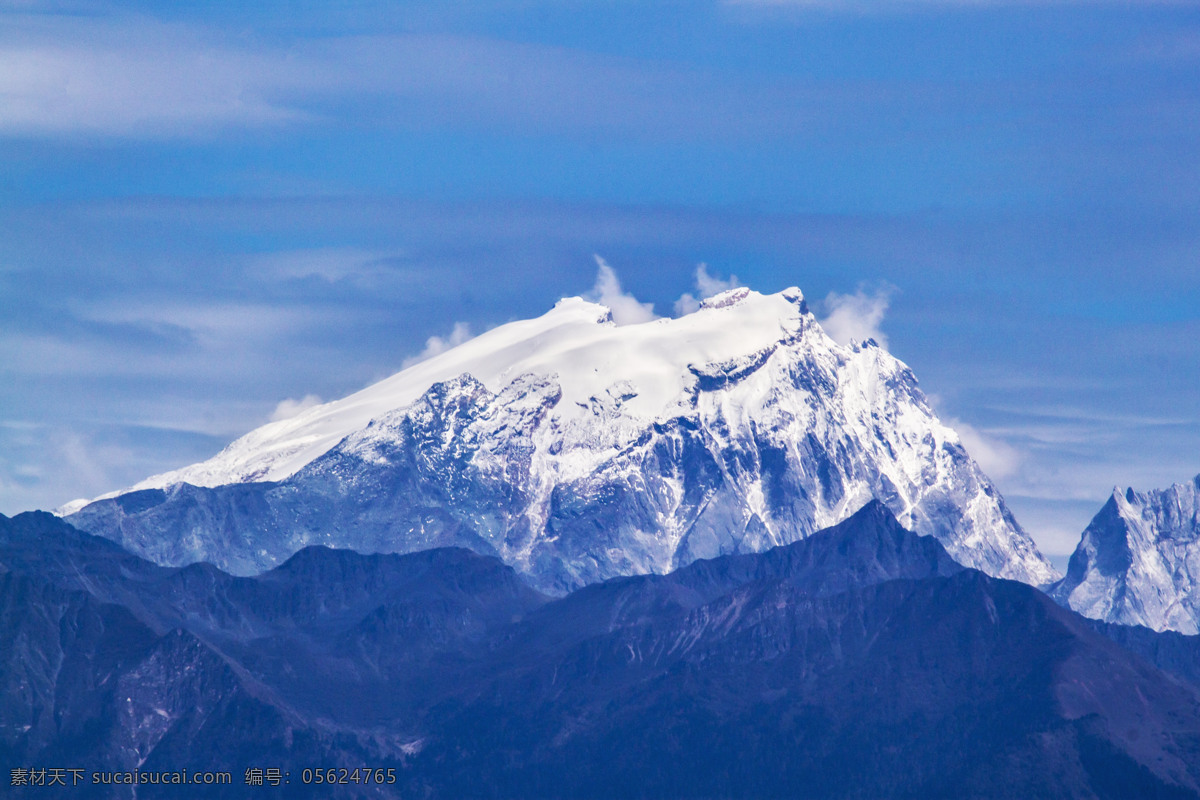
[{"x": 861, "y": 661}]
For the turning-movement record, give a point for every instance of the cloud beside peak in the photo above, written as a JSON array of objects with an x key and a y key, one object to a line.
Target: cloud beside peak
[
  {"x": 997, "y": 458},
  {"x": 626, "y": 309},
  {"x": 858, "y": 316},
  {"x": 290, "y": 407},
  {"x": 706, "y": 286},
  {"x": 436, "y": 345}
]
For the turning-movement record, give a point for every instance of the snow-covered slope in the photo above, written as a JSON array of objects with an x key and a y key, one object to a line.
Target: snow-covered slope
[
  {"x": 1138, "y": 562},
  {"x": 577, "y": 449},
  {"x": 576, "y": 342}
]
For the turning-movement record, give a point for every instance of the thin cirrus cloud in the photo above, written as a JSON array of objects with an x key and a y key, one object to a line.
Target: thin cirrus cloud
[
  {"x": 154, "y": 338},
  {"x": 140, "y": 78},
  {"x": 136, "y": 78},
  {"x": 329, "y": 266}
]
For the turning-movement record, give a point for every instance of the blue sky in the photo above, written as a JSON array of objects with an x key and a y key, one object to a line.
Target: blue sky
[{"x": 207, "y": 210}]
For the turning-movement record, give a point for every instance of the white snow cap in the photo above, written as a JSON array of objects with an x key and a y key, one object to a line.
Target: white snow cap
[{"x": 577, "y": 341}]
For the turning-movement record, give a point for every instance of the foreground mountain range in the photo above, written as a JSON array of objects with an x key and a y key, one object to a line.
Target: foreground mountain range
[
  {"x": 859, "y": 661},
  {"x": 577, "y": 450}
]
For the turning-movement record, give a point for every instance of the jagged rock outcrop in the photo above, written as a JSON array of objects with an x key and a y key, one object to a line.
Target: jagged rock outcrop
[{"x": 1138, "y": 562}]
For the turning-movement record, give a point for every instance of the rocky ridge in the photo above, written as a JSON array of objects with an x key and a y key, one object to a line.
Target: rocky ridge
[{"x": 1138, "y": 562}]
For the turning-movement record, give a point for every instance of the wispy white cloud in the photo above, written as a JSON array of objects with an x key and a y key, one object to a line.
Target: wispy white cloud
[
  {"x": 1055, "y": 524},
  {"x": 89, "y": 463},
  {"x": 290, "y": 407},
  {"x": 706, "y": 286},
  {"x": 219, "y": 322},
  {"x": 34, "y": 466},
  {"x": 137, "y": 77},
  {"x": 155, "y": 338},
  {"x": 1079, "y": 414},
  {"x": 133, "y": 77},
  {"x": 857, "y": 316},
  {"x": 436, "y": 345},
  {"x": 626, "y": 309},
  {"x": 330, "y": 264},
  {"x": 997, "y": 458}
]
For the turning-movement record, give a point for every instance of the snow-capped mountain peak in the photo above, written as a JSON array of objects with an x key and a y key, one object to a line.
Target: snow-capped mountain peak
[
  {"x": 1138, "y": 562},
  {"x": 576, "y": 341},
  {"x": 577, "y": 449}
]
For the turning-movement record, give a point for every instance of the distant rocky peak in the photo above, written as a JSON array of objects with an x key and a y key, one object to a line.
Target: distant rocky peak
[{"x": 1138, "y": 561}]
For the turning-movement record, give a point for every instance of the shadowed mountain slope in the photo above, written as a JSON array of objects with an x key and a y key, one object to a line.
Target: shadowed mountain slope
[
  {"x": 859, "y": 662},
  {"x": 1138, "y": 561}
]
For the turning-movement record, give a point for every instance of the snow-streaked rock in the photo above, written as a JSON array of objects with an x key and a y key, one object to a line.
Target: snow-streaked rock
[
  {"x": 576, "y": 342},
  {"x": 576, "y": 450},
  {"x": 1138, "y": 562}
]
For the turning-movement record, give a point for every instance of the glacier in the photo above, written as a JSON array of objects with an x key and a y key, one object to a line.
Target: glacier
[{"x": 576, "y": 450}]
